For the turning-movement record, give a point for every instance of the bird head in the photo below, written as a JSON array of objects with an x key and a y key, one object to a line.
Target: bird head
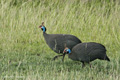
[
  {"x": 66, "y": 51},
  {"x": 43, "y": 28}
]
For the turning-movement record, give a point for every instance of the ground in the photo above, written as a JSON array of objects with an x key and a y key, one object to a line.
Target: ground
[{"x": 24, "y": 54}]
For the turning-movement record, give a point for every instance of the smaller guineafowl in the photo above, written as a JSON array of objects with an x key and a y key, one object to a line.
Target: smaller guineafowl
[{"x": 87, "y": 52}]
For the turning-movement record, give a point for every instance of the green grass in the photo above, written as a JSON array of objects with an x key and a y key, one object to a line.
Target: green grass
[{"x": 25, "y": 55}]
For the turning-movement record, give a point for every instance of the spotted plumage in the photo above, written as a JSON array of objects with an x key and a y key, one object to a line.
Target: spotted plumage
[
  {"x": 57, "y": 42},
  {"x": 87, "y": 52}
]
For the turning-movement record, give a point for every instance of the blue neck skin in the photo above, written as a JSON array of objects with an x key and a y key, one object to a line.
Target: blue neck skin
[
  {"x": 69, "y": 51},
  {"x": 43, "y": 28}
]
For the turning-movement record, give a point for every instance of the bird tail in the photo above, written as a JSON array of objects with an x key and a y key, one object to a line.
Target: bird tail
[{"x": 106, "y": 58}]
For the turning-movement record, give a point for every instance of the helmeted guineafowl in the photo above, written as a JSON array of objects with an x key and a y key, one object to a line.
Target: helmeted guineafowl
[
  {"x": 87, "y": 52},
  {"x": 57, "y": 42}
]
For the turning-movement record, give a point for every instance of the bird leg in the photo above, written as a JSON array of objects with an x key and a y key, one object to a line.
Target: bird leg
[
  {"x": 57, "y": 56},
  {"x": 63, "y": 58},
  {"x": 90, "y": 65},
  {"x": 83, "y": 64}
]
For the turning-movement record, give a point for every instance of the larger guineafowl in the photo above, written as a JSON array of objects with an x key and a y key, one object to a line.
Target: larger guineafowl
[
  {"x": 57, "y": 42},
  {"x": 87, "y": 52}
]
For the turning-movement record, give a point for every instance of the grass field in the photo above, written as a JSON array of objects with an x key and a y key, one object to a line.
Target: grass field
[{"x": 24, "y": 55}]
